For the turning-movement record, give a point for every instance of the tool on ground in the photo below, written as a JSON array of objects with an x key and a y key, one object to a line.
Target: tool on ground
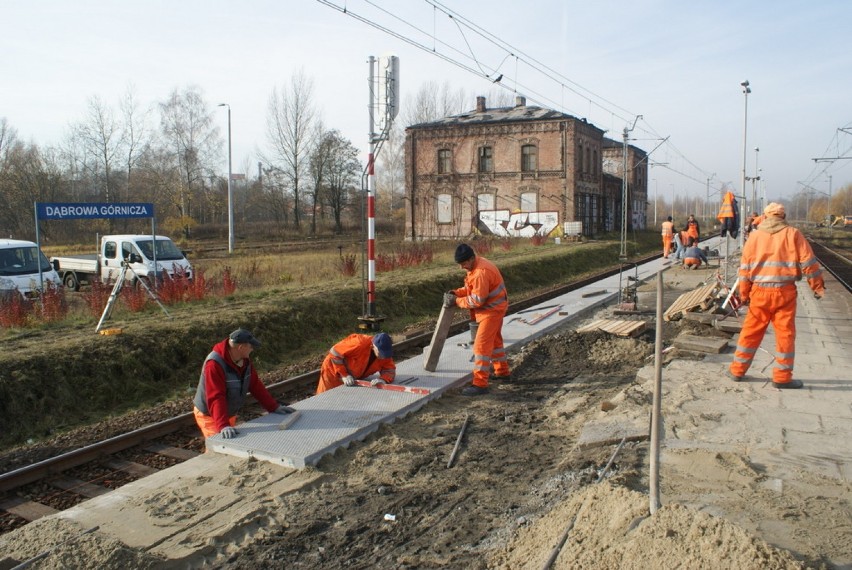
[
  {"x": 541, "y": 317},
  {"x": 594, "y": 293},
  {"x": 458, "y": 441},
  {"x": 408, "y": 380},
  {"x": 537, "y": 309},
  {"x": 439, "y": 337},
  {"x": 395, "y": 388},
  {"x": 290, "y": 419}
]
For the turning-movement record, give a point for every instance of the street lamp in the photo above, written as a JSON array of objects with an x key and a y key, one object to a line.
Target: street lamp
[
  {"x": 746, "y": 91},
  {"x": 672, "y": 214},
  {"x": 655, "y": 202},
  {"x": 230, "y": 188},
  {"x": 830, "y": 221}
]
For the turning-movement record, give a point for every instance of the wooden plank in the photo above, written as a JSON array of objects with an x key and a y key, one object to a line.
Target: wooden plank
[
  {"x": 290, "y": 419},
  {"x": 711, "y": 345},
  {"x": 171, "y": 451},
  {"x": 26, "y": 509},
  {"x": 79, "y": 487},
  {"x": 689, "y": 301},
  {"x": 616, "y": 327},
  {"x": 439, "y": 337},
  {"x": 704, "y": 318},
  {"x": 130, "y": 467},
  {"x": 609, "y": 432},
  {"x": 730, "y": 324}
]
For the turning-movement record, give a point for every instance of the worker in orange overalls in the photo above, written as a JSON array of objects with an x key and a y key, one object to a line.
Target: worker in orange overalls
[
  {"x": 355, "y": 358},
  {"x": 691, "y": 228},
  {"x": 728, "y": 215},
  {"x": 773, "y": 259},
  {"x": 668, "y": 234},
  {"x": 484, "y": 294}
]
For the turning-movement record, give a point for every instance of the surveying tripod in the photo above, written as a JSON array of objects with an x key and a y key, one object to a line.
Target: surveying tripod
[{"x": 119, "y": 283}]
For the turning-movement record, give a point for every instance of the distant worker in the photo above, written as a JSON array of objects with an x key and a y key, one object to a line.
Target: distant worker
[
  {"x": 680, "y": 242},
  {"x": 484, "y": 295},
  {"x": 693, "y": 256},
  {"x": 355, "y": 358},
  {"x": 691, "y": 228},
  {"x": 668, "y": 234},
  {"x": 729, "y": 215},
  {"x": 227, "y": 377},
  {"x": 773, "y": 259}
]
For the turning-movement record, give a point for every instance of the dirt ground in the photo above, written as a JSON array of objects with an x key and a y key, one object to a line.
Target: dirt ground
[{"x": 518, "y": 482}]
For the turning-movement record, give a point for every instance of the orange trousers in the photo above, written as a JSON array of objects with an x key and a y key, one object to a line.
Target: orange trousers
[
  {"x": 488, "y": 349},
  {"x": 667, "y": 245},
  {"x": 776, "y": 305},
  {"x": 206, "y": 423}
]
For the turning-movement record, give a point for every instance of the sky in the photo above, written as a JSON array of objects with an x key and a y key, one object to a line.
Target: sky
[{"x": 677, "y": 64}]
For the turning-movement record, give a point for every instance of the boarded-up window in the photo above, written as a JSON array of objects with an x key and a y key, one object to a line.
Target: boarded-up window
[
  {"x": 529, "y": 158},
  {"x": 485, "y": 202},
  {"x": 486, "y": 159},
  {"x": 444, "y": 215},
  {"x": 529, "y": 202},
  {"x": 445, "y": 161}
]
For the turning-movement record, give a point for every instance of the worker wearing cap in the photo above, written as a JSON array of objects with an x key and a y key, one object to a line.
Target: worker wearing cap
[
  {"x": 227, "y": 377},
  {"x": 775, "y": 256},
  {"x": 355, "y": 358},
  {"x": 484, "y": 295},
  {"x": 728, "y": 215},
  {"x": 668, "y": 233}
]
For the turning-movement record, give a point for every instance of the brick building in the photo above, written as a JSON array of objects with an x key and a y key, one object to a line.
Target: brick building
[
  {"x": 637, "y": 183},
  {"x": 517, "y": 171}
]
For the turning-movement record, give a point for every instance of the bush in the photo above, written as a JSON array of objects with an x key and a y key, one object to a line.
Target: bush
[
  {"x": 229, "y": 283},
  {"x": 15, "y": 311},
  {"x": 53, "y": 306},
  {"x": 347, "y": 264}
]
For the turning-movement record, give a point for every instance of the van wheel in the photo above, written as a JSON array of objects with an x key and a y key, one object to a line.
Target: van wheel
[{"x": 71, "y": 282}]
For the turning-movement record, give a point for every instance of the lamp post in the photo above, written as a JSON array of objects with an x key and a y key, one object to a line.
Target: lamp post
[
  {"x": 746, "y": 91},
  {"x": 830, "y": 221},
  {"x": 672, "y": 214},
  {"x": 655, "y": 202},
  {"x": 230, "y": 187},
  {"x": 754, "y": 181}
]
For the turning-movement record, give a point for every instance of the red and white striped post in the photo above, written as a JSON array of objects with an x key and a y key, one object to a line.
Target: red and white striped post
[{"x": 371, "y": 234}]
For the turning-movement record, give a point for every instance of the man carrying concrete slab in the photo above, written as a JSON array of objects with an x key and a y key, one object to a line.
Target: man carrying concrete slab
[{"x": 484, "y": 295}]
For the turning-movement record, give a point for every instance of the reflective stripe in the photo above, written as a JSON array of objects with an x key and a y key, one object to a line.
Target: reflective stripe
[
  {"x": 772, "y": 285},
  {"x": 780, "y": 366},
  {"x": 774, "y": 278},
  {"x": 785, "y": 355},
  {"x": 484, "y": 368},
  {"x": 482, "y": 358},
  {"x": 746, "y": 350},
  {"x": 742, "y": 360}
]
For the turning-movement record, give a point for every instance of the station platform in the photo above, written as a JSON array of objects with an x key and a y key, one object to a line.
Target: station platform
[{"x": 337, "y": 417}]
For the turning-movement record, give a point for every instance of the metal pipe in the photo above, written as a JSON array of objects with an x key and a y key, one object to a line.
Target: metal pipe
[{"x": 458, "y": 441}]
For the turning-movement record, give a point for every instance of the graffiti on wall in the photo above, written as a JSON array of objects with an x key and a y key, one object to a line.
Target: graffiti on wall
[{"x": 504, "y": 223}]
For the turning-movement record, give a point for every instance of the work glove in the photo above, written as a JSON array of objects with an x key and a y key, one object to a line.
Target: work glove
[
  {"x": 282, "y": 409},
  {"x": 229, "y": 432},
  {"x": 377, "y": 382},
  {"x": 348, "y": 380},
  {"x": 449, "y": 299}
]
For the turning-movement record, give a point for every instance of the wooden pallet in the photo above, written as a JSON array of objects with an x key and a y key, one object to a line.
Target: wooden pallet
[
  {"x": 701, "y": 298},
  {"x": 614, "y": 326}
]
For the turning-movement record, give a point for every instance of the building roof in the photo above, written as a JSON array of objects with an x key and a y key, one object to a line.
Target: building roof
[{"x": 516, "y": 114}]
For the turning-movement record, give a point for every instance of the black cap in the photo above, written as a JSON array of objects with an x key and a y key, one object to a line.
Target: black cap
[
  {"x": 384, "y": 345},
  {"x": 241, "y": 336},
  {"x": 463, "y": 253}
]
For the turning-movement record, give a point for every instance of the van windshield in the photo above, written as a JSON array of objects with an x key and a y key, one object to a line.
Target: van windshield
[
  {"x": 22, "y": 261},
  {"x": 166, "y": 250}
]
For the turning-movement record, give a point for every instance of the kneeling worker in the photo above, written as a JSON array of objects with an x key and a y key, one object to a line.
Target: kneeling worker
[
  {"x": 693, "y": 256},
  {"x": 356, "y": 357},
  {"x": 227, "y": 376}
]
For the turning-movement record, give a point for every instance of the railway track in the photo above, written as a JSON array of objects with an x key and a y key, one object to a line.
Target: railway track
[
  {"x": 63, "y": 481},
  {"x": 835, "y": 261}
]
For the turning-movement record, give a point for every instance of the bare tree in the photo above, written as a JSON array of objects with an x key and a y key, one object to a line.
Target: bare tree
[
  {"x": 194, "y": 144},
  {"x": 432, "y": 102},
  {"x": 100, "y": 135},
  {"x": 290, "y": 132},
  {"x": 343, "y": 170},
  {"x": 135, "y": 136}
]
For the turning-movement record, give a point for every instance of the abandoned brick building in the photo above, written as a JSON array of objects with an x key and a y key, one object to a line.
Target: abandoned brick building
[{"x": 516, "y": 171}]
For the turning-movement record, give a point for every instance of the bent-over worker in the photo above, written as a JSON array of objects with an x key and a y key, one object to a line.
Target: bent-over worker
[
  {"x": 355, "y": 358},
  {"x": 227, "y": 377},
  {"x": 775, "y": 256},
  {"x": 693, "y": 256},
  {"x": 484, "y": 295}
]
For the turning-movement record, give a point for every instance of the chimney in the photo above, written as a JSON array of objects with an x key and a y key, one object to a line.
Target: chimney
[
  {"x": 520, "y": 101},
  {"x": 480, "y": 104}
]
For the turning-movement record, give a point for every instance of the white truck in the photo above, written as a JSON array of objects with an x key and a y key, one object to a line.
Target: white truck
[
  {"x": 19, "y": 268},
  {"x": 138, "y": 250}
]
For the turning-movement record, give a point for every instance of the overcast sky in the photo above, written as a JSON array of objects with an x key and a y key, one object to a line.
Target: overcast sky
[{"x": 678, "y": 64}]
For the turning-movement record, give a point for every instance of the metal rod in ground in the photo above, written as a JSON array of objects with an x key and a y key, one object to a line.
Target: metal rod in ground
[
  {"x": 656, "y": 407},
  {"x": 458, "y": 441},
  {"x": 554, "y": 554}
]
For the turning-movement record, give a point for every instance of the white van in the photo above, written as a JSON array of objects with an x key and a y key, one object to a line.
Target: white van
[{"x": 19, "y": 268}]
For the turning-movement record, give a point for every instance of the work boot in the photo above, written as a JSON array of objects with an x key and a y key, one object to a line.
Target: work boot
[
  {"x": 501, "y": 377},
  {"x": 733, "y": 377},
  {"x": 474, "y": 391},
  {"x": 791, "y": 385}
]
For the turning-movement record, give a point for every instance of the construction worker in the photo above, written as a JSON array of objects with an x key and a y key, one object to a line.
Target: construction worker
[
  {"x": 693, "y": 256},
  {"x": 227, "y": 376},
  {"x": 680, "y": 244},
  {"x": 668, "y": 234},
  {"x": 773, "y": 259},
  {"x": 691, "y": 228},
  {"x": 484, "y": 295},
  {"x": 355, "y": 358},
  {"x": 729, "y": 215}
]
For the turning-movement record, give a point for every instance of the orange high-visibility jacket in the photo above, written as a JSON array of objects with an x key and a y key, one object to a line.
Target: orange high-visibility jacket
[
  {"x": 668, "y": 229},
  {"x": 774, "y": 257},
  {"x": 726, "y": 210},
  {"x": 351, "y": 356},
  {"x": 484, "y": 290}
]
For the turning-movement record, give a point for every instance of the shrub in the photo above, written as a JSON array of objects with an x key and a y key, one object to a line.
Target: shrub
[
  {"x": 538, "y": 239},
  {"x": 197, "y": 288},
  {"x": 97, "y": 296},
  {"x": 229, "y": 283},
  {"x": 53, "y": 306},
  {"x": 347, "y": 264},
  {"x": 15, "y": 311},
  {"x": 135, "y": 298}
]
